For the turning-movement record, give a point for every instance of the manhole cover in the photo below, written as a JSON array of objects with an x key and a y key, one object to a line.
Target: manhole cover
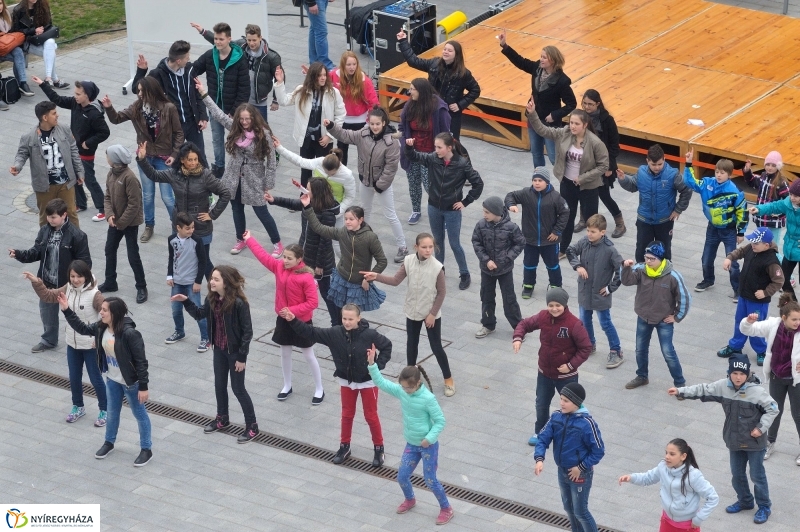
[{"x": 30, "y": 201}]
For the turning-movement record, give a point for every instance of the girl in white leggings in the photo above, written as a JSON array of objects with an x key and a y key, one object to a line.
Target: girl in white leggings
[{"x": 33, "y": 18}]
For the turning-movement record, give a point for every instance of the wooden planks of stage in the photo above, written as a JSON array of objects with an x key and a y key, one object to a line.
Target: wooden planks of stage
[{"x": 656, "y": 63}]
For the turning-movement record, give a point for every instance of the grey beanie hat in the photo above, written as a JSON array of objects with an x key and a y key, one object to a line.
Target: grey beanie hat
[
  {"x": 119, "y": 154},
  {"x": 494, "y": 205},
  {"x": 542, "y": 173},
  {"x": 557, "y": 294}
]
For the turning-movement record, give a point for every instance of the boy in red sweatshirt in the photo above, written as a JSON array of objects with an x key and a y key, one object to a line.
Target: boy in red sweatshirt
[{"x": 564, "y": 346}]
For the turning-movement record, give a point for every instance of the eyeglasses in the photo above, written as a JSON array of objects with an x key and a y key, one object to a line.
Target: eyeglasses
[{"x": 650, "y": 258}]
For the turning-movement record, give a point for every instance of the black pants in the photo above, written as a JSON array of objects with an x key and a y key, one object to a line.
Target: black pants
[
  {"x": 488, "y": 296},
  {"x": 335, "y": 312},
  {"x": 343, "y": 145},
  {"x": 788, "y": 267},
  {"x": 113, "y": 238},
  {"x": 573, "y": 194},
  {"x": 311, "y": 150},
  {"x": 608, "y": 201},
  {"x": 413, "y": 330},
  {"x": 778, "y": 390},
  {"x": 192, "y": 133},
  {"x": 455, "y": 124},
  {"x": 90, "y": 180},
  {"x": 224, "y": 364},
  {"x": 646, "y": 233}
]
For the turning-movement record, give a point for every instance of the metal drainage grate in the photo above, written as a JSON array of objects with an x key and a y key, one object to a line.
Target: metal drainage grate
[{"x": 310, "y": 451}]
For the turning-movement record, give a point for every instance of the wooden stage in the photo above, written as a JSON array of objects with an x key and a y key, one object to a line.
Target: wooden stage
[{"x": 656, "y": 63}]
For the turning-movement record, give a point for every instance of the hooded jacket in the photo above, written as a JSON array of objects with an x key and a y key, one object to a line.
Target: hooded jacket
[
  {"x": 450, "y": 86},
  {"x": 349, "y": 348},
  {"x": 378, "y": 157},
  {"x": 791, "y": 240},
  {"x": 30, "y": 148},
  {"x": 603, "y": 263},
  {"x": 676, "y": 505},
  {"x": 123, "y": 198},
  {"x": 233, "y": 89},
  {"x": 128, "y": 348},
  {"x": 190, "y": 108},
  {"x": 440, "y": 123},
  {"x": 723, "y": 203},
  {"x": 238, "y": 325},
  {"x": 576, "y": 440},
  {"x": 563, "y": 340},
  {"x": 169, "y": 138},
  {"x": 659, "y": 194},
  {"x": 543, "y": 213},
  {"x": 317, "y": 250},
  {"x": 343, "y": 184},
  {"x": 768, "y": 329},
  {"x": 84, "y": 301},
  {"x": 658, "y": 297},
  {"x": 74, "y": 245},
  {"x": 447, "y": 180},
  {"x": 88, "y": 124},
  {"x": 501, "y": 242}
]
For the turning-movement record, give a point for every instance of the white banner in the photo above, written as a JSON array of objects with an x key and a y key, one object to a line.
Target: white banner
[{"x": 52, "y": 516}]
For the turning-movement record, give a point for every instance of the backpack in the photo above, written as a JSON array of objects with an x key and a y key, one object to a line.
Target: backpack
[{"x": 9, "y": 90}]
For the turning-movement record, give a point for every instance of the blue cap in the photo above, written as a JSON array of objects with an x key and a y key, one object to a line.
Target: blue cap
[{"x": 760, "y": 234}]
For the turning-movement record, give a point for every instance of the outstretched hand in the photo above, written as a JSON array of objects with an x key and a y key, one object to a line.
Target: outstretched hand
[
  {"x": 279, "y": 75},
  {"x": 141, "y": 62},
  {"x": 369, "y": 276},
  {"x": 29, "y": 276},
  {"x": 401, "y": 35},
  {"x": 142, "y": 151},
  {"x": 106, "y": 101},
  {"x": 179, "y": 298},
  {"x": 275, "y": 142},
  {"x": 305, "y": 199},
  {"x": 62, "y": 301},
  {"x": 517, "y": 344},
  {"x": 502, "y": 38},
  {"x": 624, "y": 478},
  {"x": 752, "y": 318},
  {"x": 371, "y": 355},
  {"x": 199, "y": 85}
]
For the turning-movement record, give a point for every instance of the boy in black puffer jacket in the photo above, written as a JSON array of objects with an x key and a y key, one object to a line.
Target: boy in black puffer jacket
[{"x": 497, "y": 242}]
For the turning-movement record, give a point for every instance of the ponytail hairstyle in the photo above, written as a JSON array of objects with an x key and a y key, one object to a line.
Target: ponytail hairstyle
[
  {"x": 357, "y": 211},
  {"x": 411, "y": 375},
  {"x": 380, "y": 112},
  {"x": 333, "y": 160},
  {"x": 585, "y": 118},
  {"x": 451, "y": 142},
  {"x": 787, "y": 304},
  {"x": 684, "y": 448}
]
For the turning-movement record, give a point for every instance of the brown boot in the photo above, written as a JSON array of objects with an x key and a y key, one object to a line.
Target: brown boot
[
  {"x": 580, "y": 226},
  {"x": 620, "y": 228}
]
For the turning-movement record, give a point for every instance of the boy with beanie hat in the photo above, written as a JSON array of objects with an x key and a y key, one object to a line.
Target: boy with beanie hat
[
  {"x": 563, "y": 346},
  {"x": 577, "y": 448},
  {"x": 749, "y": 413},
  {"x": 661, "y": 301},
  {"x": 497, "y": 242},
  {"x": 544, "y": 218}
]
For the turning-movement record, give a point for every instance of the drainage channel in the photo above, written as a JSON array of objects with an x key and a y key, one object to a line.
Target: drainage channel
[{"x": 507, "y": 506}]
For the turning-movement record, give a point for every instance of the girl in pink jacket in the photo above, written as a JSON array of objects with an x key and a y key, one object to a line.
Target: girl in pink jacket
[{"x": 296, "y": 289}]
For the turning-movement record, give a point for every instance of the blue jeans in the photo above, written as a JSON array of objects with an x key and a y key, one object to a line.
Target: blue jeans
[
  {"x": 537, "y": 147},
  {"x": 115, "y": 392},
  {"x": 18, "y": 58},
  {"x": 758, "y": 475},
  {"x": 430, "y": 462},
  {"x": 605, "y": 323},
  {"x": 177, "y": 309},
  {"x": 644, "y": 331},
  {"x": 218, "y": 142},
  {"x": 263, "y": 110},
  {"x": 714, "y": 237},
  {"x": 744, "y": 308},
  {"x": 450, "y": 220},
  {"x": 575, "y": 498},
  {"x": 76, "y": 359},
  {"x": 318, "y": 36},
  {"x": 530, "y": 262},
  {"x": 149, "y": 193},
  {"x": 546, "y": 389}
]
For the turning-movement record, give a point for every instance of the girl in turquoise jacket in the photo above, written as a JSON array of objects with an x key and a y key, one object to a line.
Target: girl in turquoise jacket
[
  {"x": 790, "y": 207},
  {"x": 423, "y": 420}
]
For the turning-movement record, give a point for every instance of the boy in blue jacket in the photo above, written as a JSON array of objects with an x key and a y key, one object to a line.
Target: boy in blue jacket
[
  {"x": 726, "y": 210},
  {"x": 577, "y": 448}
]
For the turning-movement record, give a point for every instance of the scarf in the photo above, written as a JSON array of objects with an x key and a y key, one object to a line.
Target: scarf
[
  {"x": 246, "y": 140},
  {"x": 197, "y": 171},
  {"x": 657, "y": 272},
  {"x": 598, "y": 126},
  {"x": 543, "y": 80}
]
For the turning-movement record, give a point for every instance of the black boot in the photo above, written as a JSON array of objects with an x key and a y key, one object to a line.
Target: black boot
[
  {"x": 141, "y": 295},
  {"x": 343, "y": 454},
  {"x": 378, "y": 460},
  {"x": 219, "y": 423},
  {"x": 250, "y": 432}
]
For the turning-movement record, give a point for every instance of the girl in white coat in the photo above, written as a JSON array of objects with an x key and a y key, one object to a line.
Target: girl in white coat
[{"x": 782, "y": 363}]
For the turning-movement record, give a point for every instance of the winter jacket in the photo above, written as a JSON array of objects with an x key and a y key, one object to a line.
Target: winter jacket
[
  {"x": 191, "y": 193},
  {"x": 349, "y": 348},
  {"x": 84, "y": 301},
  {"x": 658, "y": 297},
  {"x": 22, "y": 21},
  {"x": 563, "y": 340},
  {"x": 576, "y": 440},
  {"x": 295, "y": 288},
  {"x": 169, "y": 137},
  {"x": 74, "y": 245},
  {"x": 760, "y": 271},
  {"x": 723, "y": 203},
  {"x": 378, "y": 158},
  {"x": 609, "y": 135},
  {"x": 356, "y": 107},
  {"x": 543, "y": 213},
  {"x": 501, "y": 242},
  {"x": 440, "y": 124},
  {"x": 603, "y": 263},
  {"x": 243, "y": 170},
  {"x": 768, "y": 328},
  {"x": 233, "y": 89},
  {"x": 423, "y": 418},
  {"x": 30, "y": 147},
  {"x": 676, "y": 505},
  {"x": 88, "y": 124},
  {"x": 332, "y": 109},
  {"x": 190, "y": 108},
  {"x": 128, "y": 348},
  {"x": 317, "y": 250},
  {"x": 750, "y": 407},
  {"x": 343, "y": 184},
  {"x": 238, "y": 325},
  {"x": 123, "y": 198},
  {"x": 659, "y": 195},
  {"x": 450, "y": 86},
  {"x": 358, "y": 248},
  {"x": 548, "y": 101},
  {"x": 594, "y": 162},
  {"x": 763, "y": 185},
  {"x": 447, "y": 180},
  {"x": 791, "y": 240}
]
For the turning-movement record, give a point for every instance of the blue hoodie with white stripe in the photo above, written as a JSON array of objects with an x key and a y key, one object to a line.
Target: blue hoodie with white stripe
[{"x": 576, "y": 440}]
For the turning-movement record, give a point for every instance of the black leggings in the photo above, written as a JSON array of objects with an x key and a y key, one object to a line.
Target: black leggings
[
  {"x": 608, "y": 201},
  {"x": 311, "y": 150},
  {"x": 573, "y": 194},
  {"x": 224, "y": 364},
  {"x": 413, "y": 329},
  {"x": 778, "y": 390}
]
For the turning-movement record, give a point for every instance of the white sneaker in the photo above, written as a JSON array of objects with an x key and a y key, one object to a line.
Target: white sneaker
[
  {"x": 483, "y": 332},
  {"x": 770, "y": 448}
]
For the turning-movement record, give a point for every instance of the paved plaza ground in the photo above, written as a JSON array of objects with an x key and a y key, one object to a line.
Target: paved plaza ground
[{"x": 199, "y": 482}]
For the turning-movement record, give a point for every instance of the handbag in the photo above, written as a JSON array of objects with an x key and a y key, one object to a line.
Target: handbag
[
  {"x": 9, "y": 41},
  {"x": 50, "y": 32}
]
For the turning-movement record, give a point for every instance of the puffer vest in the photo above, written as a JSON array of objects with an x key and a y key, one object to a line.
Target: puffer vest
[{"x": 421, "y": 292}]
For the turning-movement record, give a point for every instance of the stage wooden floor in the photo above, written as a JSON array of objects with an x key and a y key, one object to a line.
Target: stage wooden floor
[{"x": 656, "y": 63}]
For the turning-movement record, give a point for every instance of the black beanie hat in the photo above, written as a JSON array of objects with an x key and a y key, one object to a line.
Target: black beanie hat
[
  {"x": 739, "y": 362},
  {"x": 91, "y": 90},
  {"x": 574, "y": 392}
]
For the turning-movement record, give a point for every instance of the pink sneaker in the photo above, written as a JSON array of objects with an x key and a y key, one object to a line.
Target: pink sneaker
[
  {"x": 445, "y": 516},
  {"x": 406, "y": 506},
  {"x": 277, "y": 250},
  {"x": 240, "y": 245}
]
